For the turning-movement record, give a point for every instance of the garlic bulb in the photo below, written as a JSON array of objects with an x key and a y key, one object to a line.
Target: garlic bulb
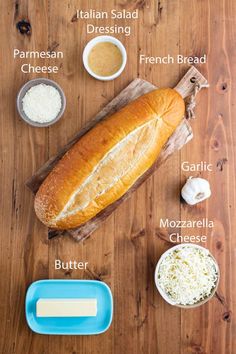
[{"x": 196, "y": 190}]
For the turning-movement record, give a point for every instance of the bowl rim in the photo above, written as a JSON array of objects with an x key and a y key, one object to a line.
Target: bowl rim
[
  {"x": 165, "y": 296},
  {"x": 31, "y": 83},
  {"x": 100, "y": 39}
]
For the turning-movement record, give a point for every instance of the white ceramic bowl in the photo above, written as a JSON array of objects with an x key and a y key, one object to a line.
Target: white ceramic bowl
[
  {"x": 163, "y": 293},
  {"x": 100, "y": 39}
]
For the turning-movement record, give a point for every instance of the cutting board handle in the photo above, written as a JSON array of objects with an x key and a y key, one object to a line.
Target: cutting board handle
[{"x": 189, "y": 81}]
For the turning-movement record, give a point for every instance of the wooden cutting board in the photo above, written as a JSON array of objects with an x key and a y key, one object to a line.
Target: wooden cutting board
[{"x": 180, "y": 137}]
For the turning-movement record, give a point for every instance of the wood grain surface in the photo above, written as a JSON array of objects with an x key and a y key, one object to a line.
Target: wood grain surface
[{"x": 123, "y": 252}]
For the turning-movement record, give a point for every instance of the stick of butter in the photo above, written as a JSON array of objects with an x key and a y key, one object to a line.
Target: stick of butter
[{"x": 66, "y": 308}]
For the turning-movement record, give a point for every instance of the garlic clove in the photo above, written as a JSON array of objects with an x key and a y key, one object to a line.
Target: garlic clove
[{"x": 195, "y": 190}]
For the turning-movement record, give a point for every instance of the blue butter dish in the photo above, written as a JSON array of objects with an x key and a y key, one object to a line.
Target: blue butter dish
[{"x": 69, "y": 289}]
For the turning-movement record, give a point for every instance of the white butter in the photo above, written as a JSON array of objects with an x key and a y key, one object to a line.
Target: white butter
[{"x": 66, "y": 308}]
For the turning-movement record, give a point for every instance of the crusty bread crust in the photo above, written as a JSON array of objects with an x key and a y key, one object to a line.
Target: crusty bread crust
[{"x": 149, "y": 120}]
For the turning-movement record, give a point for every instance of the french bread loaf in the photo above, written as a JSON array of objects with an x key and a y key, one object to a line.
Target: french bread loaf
[{"x": 108, "y": 159}]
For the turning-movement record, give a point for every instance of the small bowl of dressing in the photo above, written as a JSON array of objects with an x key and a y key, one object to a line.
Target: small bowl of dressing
[{"x": 104, "y": 58}]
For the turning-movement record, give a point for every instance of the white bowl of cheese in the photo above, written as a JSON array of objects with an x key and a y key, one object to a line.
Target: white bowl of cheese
[
  {"x": 41, "y": 102},
  {"x": 187, "y": 275}
]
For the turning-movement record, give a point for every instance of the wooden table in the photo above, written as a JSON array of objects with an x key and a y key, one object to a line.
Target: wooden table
[{"x": 124, "y": 251}]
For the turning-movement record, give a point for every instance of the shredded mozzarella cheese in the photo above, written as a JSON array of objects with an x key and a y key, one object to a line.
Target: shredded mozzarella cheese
[{"x": 187, "y": 275}]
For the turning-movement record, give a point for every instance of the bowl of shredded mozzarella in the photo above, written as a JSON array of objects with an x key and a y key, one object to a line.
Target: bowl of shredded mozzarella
[{"x": 187, "y": 275}]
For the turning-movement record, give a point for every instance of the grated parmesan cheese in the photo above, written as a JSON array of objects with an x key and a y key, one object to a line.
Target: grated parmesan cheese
[
  {"x": 187, "y": 275},
  {"x": 42, "y": 103}
]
